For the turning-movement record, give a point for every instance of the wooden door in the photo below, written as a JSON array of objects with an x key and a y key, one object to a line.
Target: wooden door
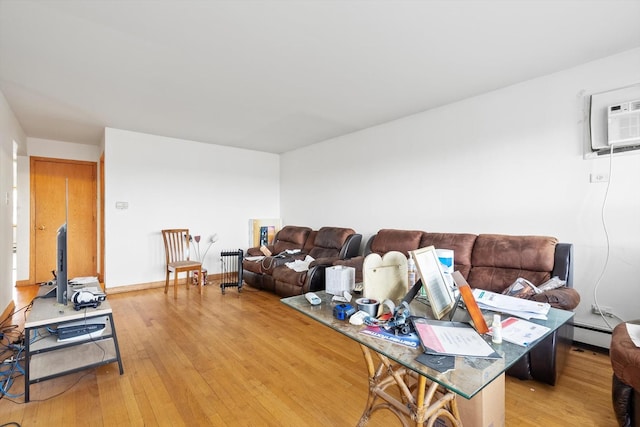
[{"x": 52, "y": 180}]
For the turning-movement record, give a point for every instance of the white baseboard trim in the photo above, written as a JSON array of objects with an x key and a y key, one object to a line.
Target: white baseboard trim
[{"x": 153, "y": 285}]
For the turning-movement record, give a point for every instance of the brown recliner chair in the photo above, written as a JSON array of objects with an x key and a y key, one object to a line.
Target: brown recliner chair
[
  {"x": 330, "y": 244},
  {"x": 625, "y": 361},
  {"x": 288, "y": 238},
  {"x": 497, "y": 260}
]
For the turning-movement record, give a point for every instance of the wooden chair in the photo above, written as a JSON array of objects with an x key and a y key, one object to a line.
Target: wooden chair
[{"x": 176, "y": 245}]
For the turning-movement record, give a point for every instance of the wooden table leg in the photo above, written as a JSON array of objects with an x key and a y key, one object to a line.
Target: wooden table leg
[{"x": 422, "y": 401}]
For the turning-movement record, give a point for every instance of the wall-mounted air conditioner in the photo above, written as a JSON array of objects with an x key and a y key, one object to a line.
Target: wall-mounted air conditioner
[{"x": 623, "y": 124}]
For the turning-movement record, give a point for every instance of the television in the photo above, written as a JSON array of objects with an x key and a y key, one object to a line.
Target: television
[{"x": 61, "y": 265}]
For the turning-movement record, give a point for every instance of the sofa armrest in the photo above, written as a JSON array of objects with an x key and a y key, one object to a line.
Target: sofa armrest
[
  {"x": 562, "y": 264},
  {"x": 326, "y": 262},
  {"x": 351, "y": 247},
  {"x": 563, "y": 298},
  {"x": 316, "y": 274},
  {"x": 315, "y": 280}
]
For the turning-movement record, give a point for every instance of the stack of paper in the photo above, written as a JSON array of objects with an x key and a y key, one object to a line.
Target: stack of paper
[{"x": 510, "y": 305}]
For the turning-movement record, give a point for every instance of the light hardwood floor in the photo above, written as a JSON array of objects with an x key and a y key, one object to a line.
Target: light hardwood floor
[{"x": 245, "y": 359}]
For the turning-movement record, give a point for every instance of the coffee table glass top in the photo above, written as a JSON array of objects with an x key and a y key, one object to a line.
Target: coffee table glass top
[{"x": 469, "y": 374}]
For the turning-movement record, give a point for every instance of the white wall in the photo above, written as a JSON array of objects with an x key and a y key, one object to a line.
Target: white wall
[
  {"x": 10, "y": 131},
  {"x": 510, "y": 161},
  {"x": 171, "y": 183},
  {"x": 38, "y": 147}
]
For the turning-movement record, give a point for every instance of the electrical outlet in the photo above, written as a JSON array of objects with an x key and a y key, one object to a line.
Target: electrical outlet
[
  {"x": 605, "y": 311},
  {"x": 598, "y": 177}
]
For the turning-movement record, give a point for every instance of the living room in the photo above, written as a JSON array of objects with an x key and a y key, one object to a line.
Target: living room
[{"x": 510, "y": 160}]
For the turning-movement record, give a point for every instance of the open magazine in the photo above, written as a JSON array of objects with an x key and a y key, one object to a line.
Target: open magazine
[{"x": 409, "y": 340}]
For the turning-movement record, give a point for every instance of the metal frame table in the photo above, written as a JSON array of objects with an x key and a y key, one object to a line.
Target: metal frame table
[{"x": 46, "y": 358}]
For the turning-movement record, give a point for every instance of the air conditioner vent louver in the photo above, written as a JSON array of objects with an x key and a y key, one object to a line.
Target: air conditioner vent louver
[{"x": 623, "y": 124}]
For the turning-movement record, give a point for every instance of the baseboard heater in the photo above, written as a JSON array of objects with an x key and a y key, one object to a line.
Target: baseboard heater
[{"x": 593, "y": 328}]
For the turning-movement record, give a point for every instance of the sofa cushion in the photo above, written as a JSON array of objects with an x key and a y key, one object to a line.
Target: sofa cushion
[
  {"x": 311, "y": 242},
  {"x": 329, "y": 241},
  {"x": 252, "y": 266},
  {"x": 264, "y": 265},
  {"x": 460, "y": 243},
  {"x": 287, "y": 275},
  {"x": 498, "y": 260},
  {"x": 291, "y": 237},
  {"x": 387, "y": 240}
]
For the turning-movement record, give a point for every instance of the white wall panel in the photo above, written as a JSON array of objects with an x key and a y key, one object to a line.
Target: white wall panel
[
  {"x": 510, "y": 161},
  {"x": 171, "y": 183},
  {"x": 10, "y": 131}
]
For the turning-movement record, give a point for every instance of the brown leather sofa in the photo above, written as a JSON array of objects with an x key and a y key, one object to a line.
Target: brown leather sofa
[
  {"x": 326, "y": 245},
  {"x": 288, "y": 238},
  {"x": 625, "y": 361},
  {"x": 493, "y": 262}
]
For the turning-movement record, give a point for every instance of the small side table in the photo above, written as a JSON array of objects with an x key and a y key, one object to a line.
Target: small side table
[{"x": 46, "y": 358}]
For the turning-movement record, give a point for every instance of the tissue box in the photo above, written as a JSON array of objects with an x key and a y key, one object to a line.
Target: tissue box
[{"x": 339, "y": 278}]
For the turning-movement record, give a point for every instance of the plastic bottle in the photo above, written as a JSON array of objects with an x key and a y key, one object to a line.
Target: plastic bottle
[
  {"x": 411, "y": 270},
  {"x": 496, "y": 326}
]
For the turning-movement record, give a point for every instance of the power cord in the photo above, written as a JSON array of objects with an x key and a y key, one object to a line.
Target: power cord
[
  {"x": 9, "y": 371},
  {"x": 608, "y": 246}
]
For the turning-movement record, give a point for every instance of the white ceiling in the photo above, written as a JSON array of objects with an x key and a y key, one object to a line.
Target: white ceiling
[{"x": 277, "y": 75}]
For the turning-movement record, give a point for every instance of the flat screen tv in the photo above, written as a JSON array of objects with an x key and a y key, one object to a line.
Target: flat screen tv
[{"x": 61, "y": 265}]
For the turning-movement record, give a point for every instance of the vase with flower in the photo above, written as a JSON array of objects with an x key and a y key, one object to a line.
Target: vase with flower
[{"x": 195, "y": 241}]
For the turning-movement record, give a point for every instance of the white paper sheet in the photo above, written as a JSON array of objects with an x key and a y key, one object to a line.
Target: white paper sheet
[
  {"x": 520, "y": 331},
  {"x": 452, "y": 338},
  {"x": 300, "y": 265}
]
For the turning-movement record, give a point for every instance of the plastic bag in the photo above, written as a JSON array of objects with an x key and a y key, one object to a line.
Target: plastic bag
[
  {"x": 552, "y": 283},
  {"x": 521, "y": 288}
]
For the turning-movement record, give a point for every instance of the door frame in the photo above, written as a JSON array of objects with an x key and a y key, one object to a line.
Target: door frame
[
  {"x": 32, "y": 208},
  {"x": 101, "y": 268}
]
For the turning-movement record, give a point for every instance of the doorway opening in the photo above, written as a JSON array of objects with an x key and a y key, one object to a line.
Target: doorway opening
[{"x": 14, "y": 216}]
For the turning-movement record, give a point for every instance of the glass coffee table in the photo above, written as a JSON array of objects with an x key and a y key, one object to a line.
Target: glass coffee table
[{"x": 429, "y": 392}]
